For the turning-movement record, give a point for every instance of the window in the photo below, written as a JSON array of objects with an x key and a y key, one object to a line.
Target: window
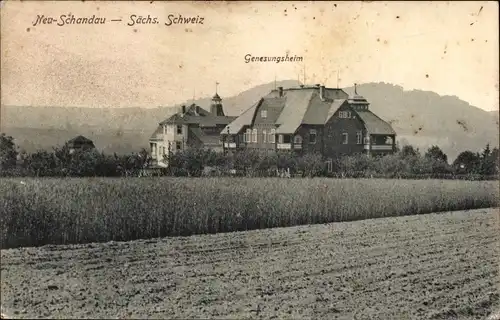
[
  {"x": 388, "y": 140},
  {"x": 344, "y": 114},
  {"x": 312, "y": 136},
  {"x": 178, "y": 145},
  {"x": 359, "y": 137},
  {"x": 263, "y": 114},
  {"x": 272, "y": 136},
  {"x": 179, "y": 129},
  {"x": 264, "y": 136},
  {"x": 280, "y": 138},
  {"x": 297, "y": 139},
  {"x": 287, "y": 138},
  {"x": 366, "y": 140},
  {"x": 345, "y": 138},
  {"x": 254, "y": 135},
  {"x": 246, "y": 136}
]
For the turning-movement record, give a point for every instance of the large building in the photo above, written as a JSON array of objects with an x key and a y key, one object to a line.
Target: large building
[
  {"x": 192, "y": 126},
  {"x": 312, "y": 119}
]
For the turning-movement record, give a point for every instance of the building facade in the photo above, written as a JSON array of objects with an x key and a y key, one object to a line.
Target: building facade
[
  {"x": 192, "y": 126},
  {"x": 312, "y": 119}
]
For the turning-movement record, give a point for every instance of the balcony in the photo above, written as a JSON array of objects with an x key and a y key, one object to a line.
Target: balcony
[
  {"x": 284, "y": 146},
  {"x": 380, "y": 147},
  {"x": 230, "y": 145}
]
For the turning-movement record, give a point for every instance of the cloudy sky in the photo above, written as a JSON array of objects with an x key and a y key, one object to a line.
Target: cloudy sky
[{"x": 447, "y": 47}]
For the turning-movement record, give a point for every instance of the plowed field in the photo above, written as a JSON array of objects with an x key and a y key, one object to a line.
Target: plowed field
[{"x": 436, "y": 266}]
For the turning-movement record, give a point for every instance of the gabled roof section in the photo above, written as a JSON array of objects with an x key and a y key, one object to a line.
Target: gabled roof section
[
  {"x": 320, "y": 110},
  {"x": 305, "y": 105},
  {"x": 373, "y": 124},
  {"x": 273, "y": 105},
  {"x": 245, "y": 119},
  {"x": 336, "y": 104},
  {"x": 297, "y": 103},
  {"x": 155, "y": 134}
]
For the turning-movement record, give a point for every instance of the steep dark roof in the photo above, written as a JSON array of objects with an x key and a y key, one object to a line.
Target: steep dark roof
[
  {"x": 80, "y": 140},
  {"x": 203, "y": 118},
  {"x": 373, "y": 124}
]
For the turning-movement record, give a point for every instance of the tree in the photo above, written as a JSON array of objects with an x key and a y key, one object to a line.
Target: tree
[
  {"x": 488, "y": 161},
  {"x": 467, "y": 162},
  {"x": 8, "y": 152},
  {"x": 409, "y": 151},
  {"x": 495, "y": 157},
  {"x": 436, "y": 153}
]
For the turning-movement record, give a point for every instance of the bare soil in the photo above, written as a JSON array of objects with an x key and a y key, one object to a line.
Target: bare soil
[{"x": 436, "y": 266}]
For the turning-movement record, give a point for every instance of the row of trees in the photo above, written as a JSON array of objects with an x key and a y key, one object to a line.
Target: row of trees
[{"x": 195, "y": 162}]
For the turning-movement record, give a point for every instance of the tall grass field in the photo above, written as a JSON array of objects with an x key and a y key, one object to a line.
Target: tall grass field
[{"x": 62, "y": 211}]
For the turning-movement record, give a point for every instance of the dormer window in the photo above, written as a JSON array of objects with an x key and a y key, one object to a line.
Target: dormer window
[{"x": 263, "y": 114}]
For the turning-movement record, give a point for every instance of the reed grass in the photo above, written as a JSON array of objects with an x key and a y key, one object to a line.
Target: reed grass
[{"x": 36, "y": 212}]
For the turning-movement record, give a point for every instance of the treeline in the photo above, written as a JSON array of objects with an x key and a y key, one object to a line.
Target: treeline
[
  {"x": 408, "y": 162},
  {"x": 61, "y": 162}
]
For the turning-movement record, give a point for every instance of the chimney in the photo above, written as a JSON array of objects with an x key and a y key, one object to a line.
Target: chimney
[
  {"x": 183, "y": 109},
  {"x": 322, "y": 93},
  {"x": 197, "y": 110},
  {"x": 280, "y": 91}
]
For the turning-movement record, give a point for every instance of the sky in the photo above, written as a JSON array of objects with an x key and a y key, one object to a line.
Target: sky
[{"x": 450, "y": 48}]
